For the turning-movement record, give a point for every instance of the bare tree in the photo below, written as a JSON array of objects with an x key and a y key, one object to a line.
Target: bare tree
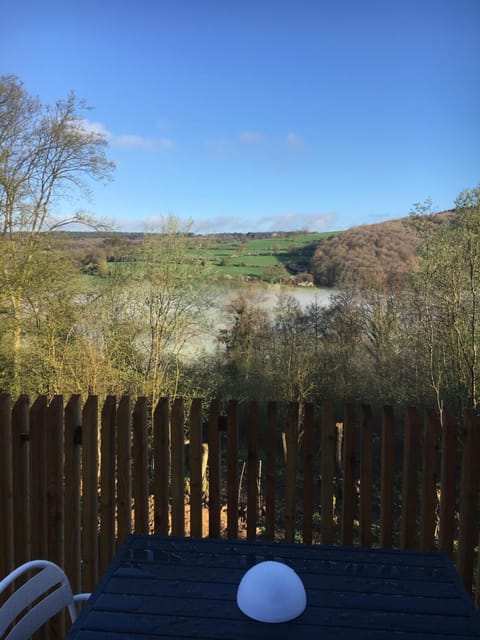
[{"x": 47, "y": 154}]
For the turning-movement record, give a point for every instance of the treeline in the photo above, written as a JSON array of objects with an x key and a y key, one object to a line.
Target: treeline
[{"x": 383, "y": 252}]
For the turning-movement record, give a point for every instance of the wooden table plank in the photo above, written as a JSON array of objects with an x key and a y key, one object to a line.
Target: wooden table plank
[{"x": 186, "y": 588}]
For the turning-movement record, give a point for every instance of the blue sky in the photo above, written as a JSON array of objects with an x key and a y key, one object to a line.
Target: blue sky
[{"x": 263, "y": 115}]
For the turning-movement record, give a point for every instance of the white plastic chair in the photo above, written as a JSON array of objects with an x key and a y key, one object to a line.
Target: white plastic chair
[{"x": 43, "y": 595}]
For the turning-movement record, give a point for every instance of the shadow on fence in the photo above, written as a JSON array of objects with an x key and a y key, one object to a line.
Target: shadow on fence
[{"x": 77, "y": 478}]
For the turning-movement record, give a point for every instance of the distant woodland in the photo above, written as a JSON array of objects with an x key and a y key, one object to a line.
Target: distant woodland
[{"x": 386, "y": 252}]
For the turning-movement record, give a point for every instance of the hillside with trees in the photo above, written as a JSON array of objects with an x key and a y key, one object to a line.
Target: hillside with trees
[{"x": 384, "y": 253}]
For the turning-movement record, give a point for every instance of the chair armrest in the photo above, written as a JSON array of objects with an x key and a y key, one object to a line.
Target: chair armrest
[{"x": 81, "y": 596}]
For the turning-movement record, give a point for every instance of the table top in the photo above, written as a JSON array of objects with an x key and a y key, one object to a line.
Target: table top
[{"x": 166, "y": 587}]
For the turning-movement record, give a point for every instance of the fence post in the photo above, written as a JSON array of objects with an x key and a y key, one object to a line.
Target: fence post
[
  {"x": 252, "y": 471},
  {"x": 140, "y": 465},
  {"x": 73, "y": 521},
  {"x": 38, "y": 478},
  {"x": 291, "y": 471},
  {"x": 177, "y": 423},
  {"x": 232, "y": 470},
  {"x": 327, "y": 467},
  {"x": 429, "y": 481},
  {"x": 477, "y": 585},
  {"x": 408, "y": 522},
  {"x": 270, "y": 469},
  {"x": 348, "y": 504},
  {"x": 387, "y": 474},
  {"x": 196, "y": 483},
  {"x": 214, "y": 470},
  {"x": 21, "y": 479},
  {"x": 107, "y": 482},
  {"x": 467, "y": 532},
  {"x": 161, "y": 465},
  {"x": 6, "y": 480},
  {"x": 124, "y": 468},
  {"x": 90, "y": 494},
  {"x": 55, "y": 480},
  {"x": 308, "y": 473},
  {"x": 448, "y": 482},
  {"x": 55, "y": 496},
  {"x": 366, "y": 477}
]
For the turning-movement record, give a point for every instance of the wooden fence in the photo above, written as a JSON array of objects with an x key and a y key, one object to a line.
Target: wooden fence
[{"x": 76, "y": 477}]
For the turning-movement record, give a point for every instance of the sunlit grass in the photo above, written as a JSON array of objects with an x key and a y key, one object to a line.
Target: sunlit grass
[{"x": 265, "y": 259}]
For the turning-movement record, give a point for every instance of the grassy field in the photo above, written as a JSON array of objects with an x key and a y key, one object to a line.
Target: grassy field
[
  {"x": 272, "y": 259},
  {"x": 275, "y": 259}
]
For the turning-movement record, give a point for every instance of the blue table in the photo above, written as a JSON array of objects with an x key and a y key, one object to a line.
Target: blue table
[{"x": 164, "y": 587}]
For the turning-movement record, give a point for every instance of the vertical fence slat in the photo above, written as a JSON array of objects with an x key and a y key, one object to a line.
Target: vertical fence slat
[
  {"x": 178, "y": 467},
  {"x": 21, "y": 479},
  {"x": 196, "y": 468},
  {"x": 161, "y": 465},
  {"x": 467, "y": 527},
  {"x": 55, "y": 480},
  {"x": 327, "y": 470},
  {"x": 6, "y": 480},
  {"x": 429, "y": 481},
  {"x": 124, "y": 469},
  {"x": 214, "y": 470},
  {"x": 349, "y": 495},
  {"x": 55, "y": 496},
  {"x": 38, "y": 478},
  {"x": 90, "y": 566},
  {"x": 477, "y": 584},
  {"x": 73, "y": 448},
  {"x": 308, "y": 473},
  {"x": 387, "y": 477},
  {"x": 140, "y": 465},
  {"x": 107, "y": 482},
  {"x": 366, "y": 477},
  {"x": 291, "y": 471},
  {"x": 448, "y": 482},
  {"x": 232, "y": 470},
  {"x": 408, "y": 521},
  {"x": 252, "y": 471},
  {"x": 270, "y": 469}
]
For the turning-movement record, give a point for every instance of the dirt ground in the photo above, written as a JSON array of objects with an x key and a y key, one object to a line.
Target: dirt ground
[
  {"x": 242, "y": 527},
  {"x": 242, "y": 530}
]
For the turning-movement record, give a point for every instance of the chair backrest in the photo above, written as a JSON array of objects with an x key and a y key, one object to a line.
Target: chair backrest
[{"x": 43, "y": 594}]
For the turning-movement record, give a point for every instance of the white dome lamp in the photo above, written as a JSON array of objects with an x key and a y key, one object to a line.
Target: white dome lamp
[{"x": 271, "y": 592}]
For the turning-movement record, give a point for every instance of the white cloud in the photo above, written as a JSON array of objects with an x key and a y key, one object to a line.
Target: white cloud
[
  {"x": 94, "y": 127},
  {"x": 163, "y": 123},
  {"x": 293, "y": 140},
  {"x": 132, "y": 141},
  {"x": 126, "y": 141},
  {"x": 238, "y": 224},
  {"x": 281, "y": 222},
  {"x": 251, "y": 137},
  {"x": 221, "y": 224},
  {"x": 296, "y": 221}
]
